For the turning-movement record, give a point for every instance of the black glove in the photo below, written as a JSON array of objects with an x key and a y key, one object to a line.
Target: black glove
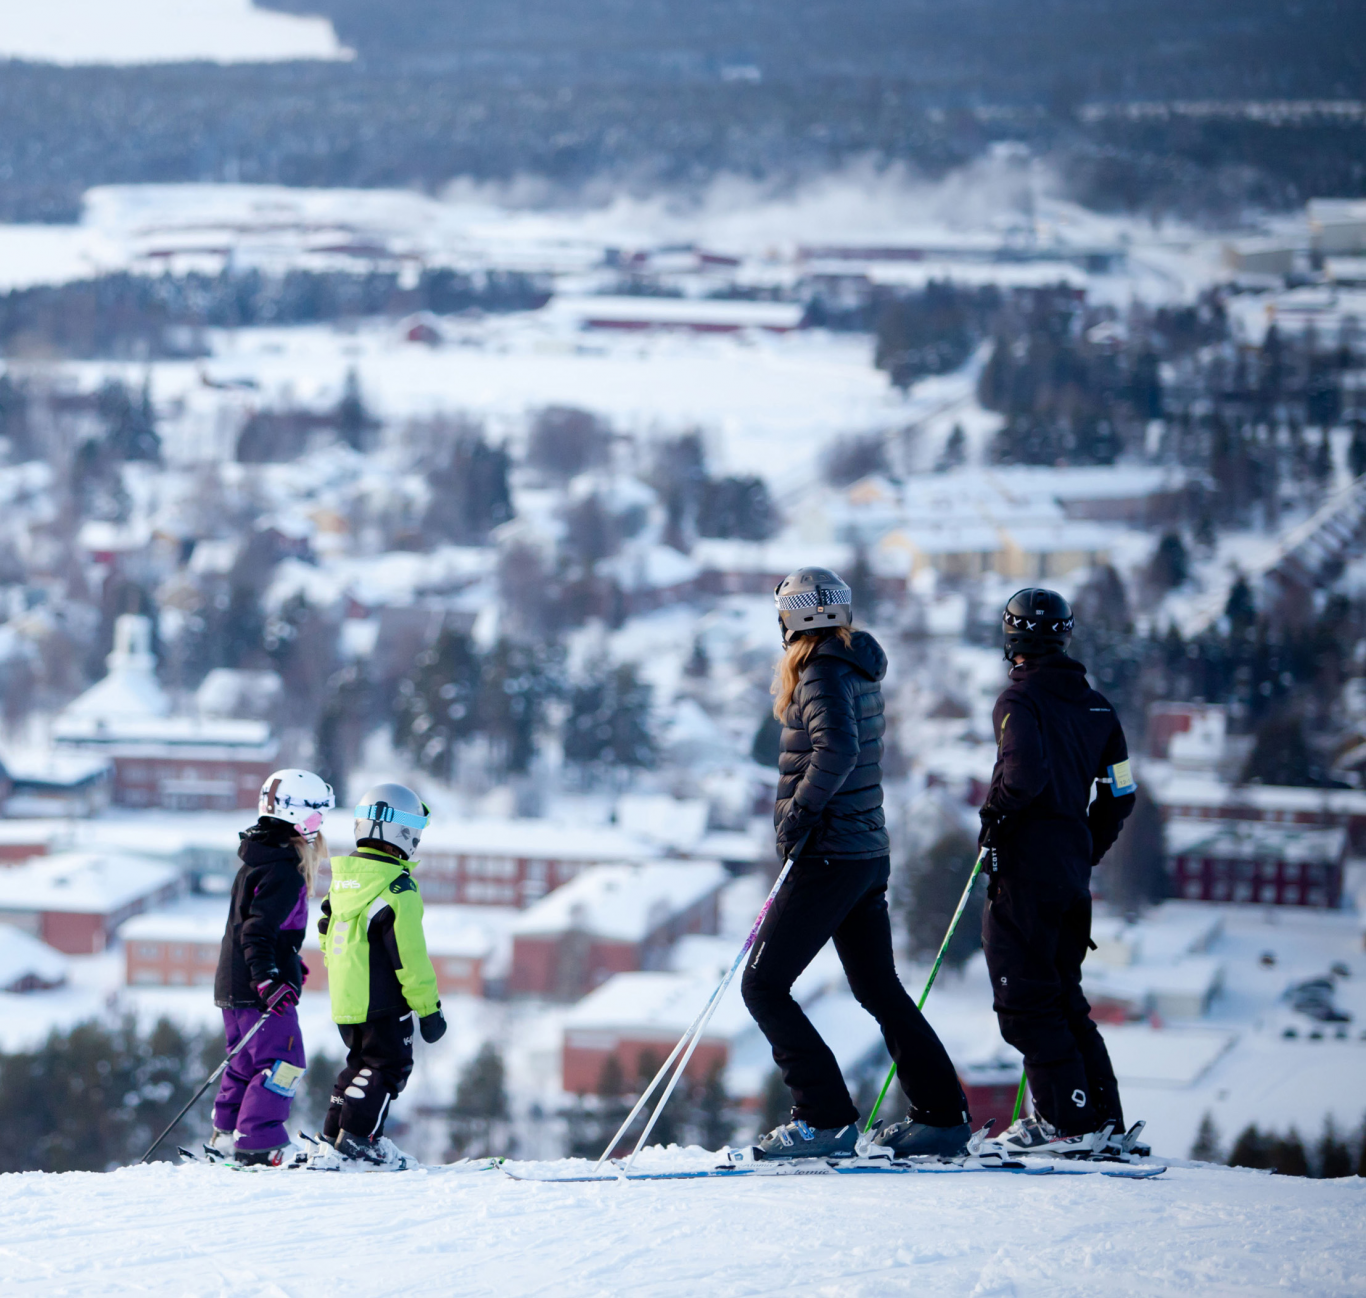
[
  {"x": 795, "y": 829},
  {"x": 432, "y": 1026},
  {"x": 278, "y": 996},
  {"x": 994, "y": 825}
]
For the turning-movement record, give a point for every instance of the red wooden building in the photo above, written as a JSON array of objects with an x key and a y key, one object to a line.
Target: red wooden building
[{"x": 613, "y": 919}]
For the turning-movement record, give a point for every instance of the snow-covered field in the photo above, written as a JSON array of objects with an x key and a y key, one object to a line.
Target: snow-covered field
[
  {"x": 197, "y": 1230},
  {"x": 161, "y": 31}
]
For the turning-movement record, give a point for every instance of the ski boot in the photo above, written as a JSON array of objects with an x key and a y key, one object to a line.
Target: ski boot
[
  {"x": 910, "y": 1139},
  {"x": 1035, "y": 1135},
  {"x": 354, "y": 1153},
  {"x": 289, "y": 1155},
  {"x": 801, "y": 1140}
]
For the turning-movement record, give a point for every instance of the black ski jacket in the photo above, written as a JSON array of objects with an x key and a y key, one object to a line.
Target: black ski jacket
[
  {"x": 1055, "y": 735},
  {"x": 266, "y": 918},
  {"x": 830, "y": 754}
]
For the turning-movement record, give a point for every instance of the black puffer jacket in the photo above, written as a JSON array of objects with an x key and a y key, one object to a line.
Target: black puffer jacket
[
  {"x": 266, "y": 918},
  {"x": 1055, "y": 736},
  {"x": 830, "y": 755}
]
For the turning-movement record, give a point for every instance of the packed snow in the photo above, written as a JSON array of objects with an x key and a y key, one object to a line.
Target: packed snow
[{"x": 200, "y": 1230}]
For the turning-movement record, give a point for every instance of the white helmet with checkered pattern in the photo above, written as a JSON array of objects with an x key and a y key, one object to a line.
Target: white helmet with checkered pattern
[{"x": 812, "y": 599}]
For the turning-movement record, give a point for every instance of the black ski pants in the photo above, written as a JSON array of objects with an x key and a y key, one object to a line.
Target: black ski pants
[
  {"x": 379, "y": 1060},
  {"x": 847, "y": 901},
  {"x": 1036, "y": 930}
]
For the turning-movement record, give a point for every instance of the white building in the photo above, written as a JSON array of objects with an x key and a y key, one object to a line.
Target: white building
[{"x": 186, "y": 763}]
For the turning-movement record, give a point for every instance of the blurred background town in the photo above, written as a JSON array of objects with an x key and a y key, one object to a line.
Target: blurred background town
[{"x": 438, "y": 391}]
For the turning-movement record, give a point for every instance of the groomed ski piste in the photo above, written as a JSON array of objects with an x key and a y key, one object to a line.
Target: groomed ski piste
[{"x": 473, "y": 1229}]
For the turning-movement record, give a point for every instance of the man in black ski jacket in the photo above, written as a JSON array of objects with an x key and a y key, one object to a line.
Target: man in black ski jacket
[{"x": 1056, "y": 738}]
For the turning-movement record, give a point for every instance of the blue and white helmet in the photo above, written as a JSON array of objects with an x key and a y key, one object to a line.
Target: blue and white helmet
[
  {"x": 394, "y": 815},
  {"x": 299, "y": 798}
]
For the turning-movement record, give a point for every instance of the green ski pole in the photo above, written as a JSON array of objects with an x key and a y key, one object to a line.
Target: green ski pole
[
  {"x": 1019, "y": 1099},
  {"x": 934, "y": 973}
]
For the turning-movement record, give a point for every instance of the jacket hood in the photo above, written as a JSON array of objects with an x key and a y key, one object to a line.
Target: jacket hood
[
  {"x": 1056, "y": 673},
  {"x": 862, "y": 652},
  {"x": 264, "y": 845},
  {"x": 358, "y": 880}
]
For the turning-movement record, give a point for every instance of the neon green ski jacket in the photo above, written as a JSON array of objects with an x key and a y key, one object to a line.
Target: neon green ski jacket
[{"x": 372, "y": 940}]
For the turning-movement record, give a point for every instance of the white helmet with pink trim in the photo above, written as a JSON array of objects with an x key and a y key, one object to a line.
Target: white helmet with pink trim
[{"x": 299, "y": 798}]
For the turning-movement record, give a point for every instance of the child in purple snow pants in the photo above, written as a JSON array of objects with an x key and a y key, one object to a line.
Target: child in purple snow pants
[
  {"x": 259, "y": 969},
  {"x": 253, "y": 1098}
]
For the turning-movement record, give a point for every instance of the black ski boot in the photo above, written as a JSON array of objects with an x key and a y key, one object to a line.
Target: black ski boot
[
  {"x": 280, "y": 1156},
  {"x": 911, "y": 1139},
  {"x": 800, "y": 1140}
]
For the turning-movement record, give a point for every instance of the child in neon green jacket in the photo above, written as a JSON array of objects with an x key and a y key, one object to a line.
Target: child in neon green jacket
[{"x": 378, "y": 971}]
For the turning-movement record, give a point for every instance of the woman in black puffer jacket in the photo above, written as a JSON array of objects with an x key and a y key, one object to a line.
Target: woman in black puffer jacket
[{"x": 829, "y": 811}]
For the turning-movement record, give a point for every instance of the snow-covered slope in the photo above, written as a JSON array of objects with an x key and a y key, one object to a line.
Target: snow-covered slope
[{"x": 199, "y": 1230}]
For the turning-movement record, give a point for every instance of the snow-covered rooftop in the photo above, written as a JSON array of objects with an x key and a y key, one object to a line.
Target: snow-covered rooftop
[
  {"x": 23, "y": 956},
  {"x": 83, "y": 883},
  {"x": 1247, "y": 840},
  {"x": 129, "y": 691},
  {"x": 1175, "y": 788},
  {"x": 663, "y": 1003},
  {"x": 623, "y": 902},
  {"x": 545, "y": 840},
  {"x": 189, "y": 920}
]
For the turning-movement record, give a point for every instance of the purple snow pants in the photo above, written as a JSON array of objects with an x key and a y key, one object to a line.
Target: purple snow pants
[{"x": 246, "y": 1102}]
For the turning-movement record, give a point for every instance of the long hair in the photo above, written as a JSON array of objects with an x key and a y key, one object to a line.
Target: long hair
[
  {"x": 311, "y": 857},
  {"x": 800, "y": 651}
]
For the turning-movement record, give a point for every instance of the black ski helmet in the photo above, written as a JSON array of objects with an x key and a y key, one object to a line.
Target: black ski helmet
[
  {"x": 812, "y": 599},
  {"x": 1036, "y": 621}
]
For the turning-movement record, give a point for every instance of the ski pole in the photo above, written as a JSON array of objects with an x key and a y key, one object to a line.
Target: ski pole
[
  {"x": 694, "y": 1032},
  {"x": 208, "y": 1081},
  {"x": 1019, "y": 1099},
  {"x": 934, "y": 973}
]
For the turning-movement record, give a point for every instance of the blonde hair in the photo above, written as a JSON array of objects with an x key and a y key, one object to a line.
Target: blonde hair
[
  {"x": 800, "y": 651},
  {"x": 311, "y": 857}
]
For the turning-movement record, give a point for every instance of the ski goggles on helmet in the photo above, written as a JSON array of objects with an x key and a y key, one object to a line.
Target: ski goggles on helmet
[
  {"x": 821, "y": 597},
  {"x": 383, "y": 812}
]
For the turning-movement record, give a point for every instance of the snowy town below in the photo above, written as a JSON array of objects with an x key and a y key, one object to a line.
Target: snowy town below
[{"x": 494, "y": 500}]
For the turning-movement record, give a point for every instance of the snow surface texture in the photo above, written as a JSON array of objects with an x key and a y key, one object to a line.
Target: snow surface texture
[
  {"x": 200, "y": 1230},
  {"x": 161, "y": 31}
]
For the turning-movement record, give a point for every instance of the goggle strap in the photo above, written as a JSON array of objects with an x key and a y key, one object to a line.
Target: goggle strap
[{"x": 384, "y": 813}]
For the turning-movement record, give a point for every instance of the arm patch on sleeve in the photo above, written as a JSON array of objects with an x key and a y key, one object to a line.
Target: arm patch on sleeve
[{"x": 1122, "y": 779}]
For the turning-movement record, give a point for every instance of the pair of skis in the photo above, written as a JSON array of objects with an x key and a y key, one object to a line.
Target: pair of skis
[
  {"x": 981, "y": 1157},
  {"x": 855, "y": 1166},
  {"x": 212, "y": 1157}
]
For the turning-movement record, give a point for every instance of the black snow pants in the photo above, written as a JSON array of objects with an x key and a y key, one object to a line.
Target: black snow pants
[
  {"x": 847, "y": 901},
  {"x": 379, "y": 1060},
  {"x": 1036, "y": 930}
]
